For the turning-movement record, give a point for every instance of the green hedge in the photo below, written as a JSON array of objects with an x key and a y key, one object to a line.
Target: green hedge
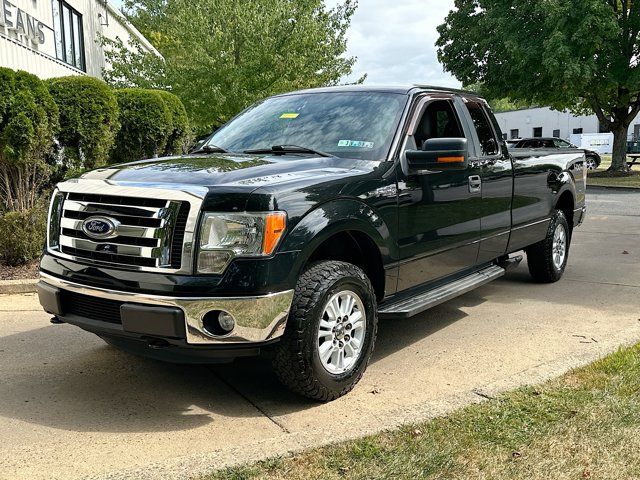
[
  {"x": 88, "y": 120},
  {"x": 28, "y": 123},
  {"x": 179, "y": 135},
  {"x": 23, "y": 235},
  {"x": 153, "y": 123},
  {"x": 93, "y": 125}
]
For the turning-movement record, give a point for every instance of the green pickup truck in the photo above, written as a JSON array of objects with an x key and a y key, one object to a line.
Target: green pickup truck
[{"x": 299, "y": 224}]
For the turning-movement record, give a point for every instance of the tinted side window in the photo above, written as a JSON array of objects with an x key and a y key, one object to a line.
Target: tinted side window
[
  {"x": 438, "y": 121},
  {"x": 488, "y": 142}
]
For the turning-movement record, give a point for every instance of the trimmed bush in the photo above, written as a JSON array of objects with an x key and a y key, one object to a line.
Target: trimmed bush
[
  {"x": 145, "y": 127},
  {"x": 88, "y": 120},
  {"x": 179, "y": 135},
  {"x": 28, "y": 123},
  {"x": 23, "y": 235}
]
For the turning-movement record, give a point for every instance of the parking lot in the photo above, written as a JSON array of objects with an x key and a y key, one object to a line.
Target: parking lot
[{"x": 72, "y": 407}]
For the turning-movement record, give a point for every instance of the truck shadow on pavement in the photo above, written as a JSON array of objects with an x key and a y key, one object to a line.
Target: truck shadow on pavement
[{"x": 65, "y": 378}]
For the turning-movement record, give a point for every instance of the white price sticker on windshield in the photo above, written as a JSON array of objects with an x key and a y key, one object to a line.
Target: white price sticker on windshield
[{"x": 355, "y": 143}]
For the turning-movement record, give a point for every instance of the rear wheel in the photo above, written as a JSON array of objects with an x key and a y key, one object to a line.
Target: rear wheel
[
  {"x": 330, "y": 332},
  {"x": 547, "y": 259}
]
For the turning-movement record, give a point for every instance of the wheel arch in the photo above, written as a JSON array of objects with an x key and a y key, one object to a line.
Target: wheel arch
[
  {"x": 566, "y": 203},
  {"x": 344, "y": 230}
]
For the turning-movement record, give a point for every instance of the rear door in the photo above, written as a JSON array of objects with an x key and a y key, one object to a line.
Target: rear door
[
  {"x": 438, "y": 216},
  {"x": 496, "y": 173}
]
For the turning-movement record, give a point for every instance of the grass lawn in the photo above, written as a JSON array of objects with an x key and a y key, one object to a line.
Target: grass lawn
[
  {"x": 584, "y": 425},
  {"x": 600, "y": 177}
]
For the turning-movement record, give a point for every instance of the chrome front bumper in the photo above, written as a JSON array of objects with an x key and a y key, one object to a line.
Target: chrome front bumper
[{"x": 258, "y": 319}]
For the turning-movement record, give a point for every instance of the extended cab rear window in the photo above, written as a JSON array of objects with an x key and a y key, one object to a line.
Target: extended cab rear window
[{"x": 488, "y": 142}]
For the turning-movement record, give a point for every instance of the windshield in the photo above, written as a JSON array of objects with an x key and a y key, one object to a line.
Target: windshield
[
  {"x": 345, "y": 124},
  {"x": 563, "y": 144}
]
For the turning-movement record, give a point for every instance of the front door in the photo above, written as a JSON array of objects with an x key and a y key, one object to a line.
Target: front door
[
  {"x": 496, "y": 173},
  {"x": 438, "y": 212}
]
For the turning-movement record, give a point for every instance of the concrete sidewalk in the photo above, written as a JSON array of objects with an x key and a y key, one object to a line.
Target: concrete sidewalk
[{"x": 72, "y": 407}]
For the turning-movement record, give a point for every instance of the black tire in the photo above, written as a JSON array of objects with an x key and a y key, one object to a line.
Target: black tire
[
  {"x": 297, "y": 360},
  {"x": 540, "y": 256}
]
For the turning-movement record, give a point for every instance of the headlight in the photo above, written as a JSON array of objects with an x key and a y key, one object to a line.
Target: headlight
[
  {"x": 54, "y": 219},
  {"x": 224, "y": 236}
]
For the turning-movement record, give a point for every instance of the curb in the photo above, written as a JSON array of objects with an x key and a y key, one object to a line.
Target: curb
[
  {"x": 8, "y": 287},
  {"x": 285, "y": 446},
  {"x": 613, "y": 187}
]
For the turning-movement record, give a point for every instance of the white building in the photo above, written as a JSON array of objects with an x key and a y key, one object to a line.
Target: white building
[
  {"x": 55, "y": 38},
  {"x": 544, "y": 122}
]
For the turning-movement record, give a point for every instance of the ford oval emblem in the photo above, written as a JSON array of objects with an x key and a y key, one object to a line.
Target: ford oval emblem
[{"x": 100, "y": 228}]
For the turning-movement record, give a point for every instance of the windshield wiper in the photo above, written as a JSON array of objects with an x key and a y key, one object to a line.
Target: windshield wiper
[
  {"x": 284, "y": 149},
  {"x": 210, "y": 149}
]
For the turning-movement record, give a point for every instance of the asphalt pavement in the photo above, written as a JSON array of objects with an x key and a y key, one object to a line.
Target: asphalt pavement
[{"x": 72, "y": 407}]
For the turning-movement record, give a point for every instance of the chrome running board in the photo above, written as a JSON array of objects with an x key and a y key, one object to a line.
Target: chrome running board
[{"x": 408, "y": 307}]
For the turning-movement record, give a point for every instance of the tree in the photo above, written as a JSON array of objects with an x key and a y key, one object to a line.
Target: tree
[
  {"x": 581, "y": 55},
  {"x": 222, "y": 55},
  {"x": 499, "y": 104}
]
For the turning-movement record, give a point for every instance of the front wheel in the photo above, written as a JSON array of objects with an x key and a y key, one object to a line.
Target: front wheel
[
  {"x": 547, "y": 259},
  {"x": 330, "y": 333}
]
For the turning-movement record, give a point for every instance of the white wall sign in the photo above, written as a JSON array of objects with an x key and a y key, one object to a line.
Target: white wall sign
[
  {"x": 20, "y": 23},
  {"x": 599, "y": 142}
]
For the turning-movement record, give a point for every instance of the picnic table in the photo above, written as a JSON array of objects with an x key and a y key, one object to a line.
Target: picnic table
[{"x": 635, "y": 160}]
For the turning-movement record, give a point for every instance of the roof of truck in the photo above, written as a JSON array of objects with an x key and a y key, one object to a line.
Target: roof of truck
[{"x": 401, "y": 89}]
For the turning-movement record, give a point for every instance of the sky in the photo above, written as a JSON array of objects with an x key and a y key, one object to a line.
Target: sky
[{"x": 394, "y": 41}]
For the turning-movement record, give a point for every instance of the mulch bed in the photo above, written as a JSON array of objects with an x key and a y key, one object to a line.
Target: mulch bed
[{"x": 23, "y": 272}]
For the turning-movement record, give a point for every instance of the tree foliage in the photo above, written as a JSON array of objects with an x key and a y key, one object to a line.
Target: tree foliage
[
  {"x": 580, "y": 55},
  {"x": 498, "y": 104},
  {"x": 88, "y": 120},
  {"x": 28, "y": 122},
  {"x": 222, "y": 55},
  {"x": 132, "y": 65}
]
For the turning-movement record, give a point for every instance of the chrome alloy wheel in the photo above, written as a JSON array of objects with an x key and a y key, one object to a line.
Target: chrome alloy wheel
[
  {"x": 591, "y": 164},
  {"x": 559, "y": 248},
  {"x": 341, "y": 333}
]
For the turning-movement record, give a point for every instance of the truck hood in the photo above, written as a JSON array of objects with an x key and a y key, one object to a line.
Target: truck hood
[{"x": 215, "y": 170}]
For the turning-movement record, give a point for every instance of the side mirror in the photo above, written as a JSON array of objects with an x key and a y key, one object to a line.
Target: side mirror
[{"x": 438, "y": 154}]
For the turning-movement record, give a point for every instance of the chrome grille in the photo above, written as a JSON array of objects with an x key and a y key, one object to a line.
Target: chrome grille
[{"x": 150, "y": 231}]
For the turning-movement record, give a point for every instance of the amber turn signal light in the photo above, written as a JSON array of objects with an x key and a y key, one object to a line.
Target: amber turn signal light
[
  {"x": 450, "y": 159},
  {"x": 273, "y": 230}
]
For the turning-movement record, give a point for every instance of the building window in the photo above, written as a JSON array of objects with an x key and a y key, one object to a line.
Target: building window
[
  {"x": 515, "y": 133},
  {"x": 69, "y": 36},
  {"x": 577, "y": 131},
  {"x": 556, "y": 133},
  {"x": 537, "y": 132}
]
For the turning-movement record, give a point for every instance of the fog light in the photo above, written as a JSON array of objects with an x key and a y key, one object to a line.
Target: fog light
[
  {"x": 218, "y": 323},
  {"x": 226, "y": 321}
]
